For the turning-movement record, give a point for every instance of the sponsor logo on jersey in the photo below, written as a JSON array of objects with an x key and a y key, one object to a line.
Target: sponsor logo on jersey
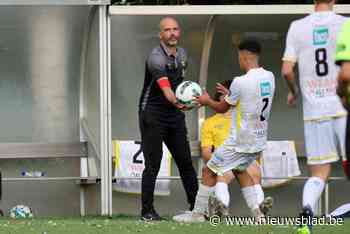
[
  {"x": 320, "y": 36},
  {"x": 265, "y": 89}
]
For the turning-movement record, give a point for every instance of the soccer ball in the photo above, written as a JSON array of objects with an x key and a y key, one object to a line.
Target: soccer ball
[
  {"x": 186, "y": 91},
  {"x": 21, "y": 211}
]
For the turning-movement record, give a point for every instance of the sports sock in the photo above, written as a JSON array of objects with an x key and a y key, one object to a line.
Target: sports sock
[
  {"x": 260, "y": 193},
  {"x": 313, "y": 189},
  {"x": 222, "y": 194},
  {"x": 250, "y": 196},
  {"x": 201, "y": 203}
]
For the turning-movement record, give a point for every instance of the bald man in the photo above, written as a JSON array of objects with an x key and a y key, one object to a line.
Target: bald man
[{"x": 161, "y": 117}]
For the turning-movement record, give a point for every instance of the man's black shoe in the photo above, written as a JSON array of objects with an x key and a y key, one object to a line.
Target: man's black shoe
[{"x": 151, "y": 216}]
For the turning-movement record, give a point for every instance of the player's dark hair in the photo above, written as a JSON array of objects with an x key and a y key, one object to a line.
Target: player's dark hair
[
  {"x": 226, "y": 84},
  {"x": 251, "y": 45}
]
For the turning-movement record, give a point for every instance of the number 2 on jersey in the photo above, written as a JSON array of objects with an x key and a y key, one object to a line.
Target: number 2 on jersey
[
  {"x": 266, "y": 103},
  {"x": 321, "y": 62}
]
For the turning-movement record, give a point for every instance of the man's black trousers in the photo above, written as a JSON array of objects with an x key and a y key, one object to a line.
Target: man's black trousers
[{"x": 171, "y": 129}]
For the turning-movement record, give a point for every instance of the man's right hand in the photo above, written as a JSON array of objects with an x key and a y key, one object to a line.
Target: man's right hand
[{"x": 180, "y": 106}]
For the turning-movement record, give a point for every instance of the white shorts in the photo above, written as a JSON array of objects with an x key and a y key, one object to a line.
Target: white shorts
[
  {"x": 225, "y": 159},
  {"x": 325, "y": 140}
]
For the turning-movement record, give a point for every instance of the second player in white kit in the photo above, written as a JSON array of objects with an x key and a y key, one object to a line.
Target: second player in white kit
[
  {"x": 311, "y": 42},
  {"x": 251, "y": 95}
]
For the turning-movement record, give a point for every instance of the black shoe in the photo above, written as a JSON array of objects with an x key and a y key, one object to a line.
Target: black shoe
[
  {"x": 151, "y": 216},
  {"x": 307, "y": 214},
  {"x": 266, "y": 205}
]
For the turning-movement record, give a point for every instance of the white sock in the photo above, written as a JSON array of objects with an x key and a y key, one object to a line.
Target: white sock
[
  {"x": 260, "y": 193},
  {"x": 313, "y": 189},
  {"x": 250, "y": 196},
  {"x": 201, "y": 203},
  {"x": 222, "y": 194}
]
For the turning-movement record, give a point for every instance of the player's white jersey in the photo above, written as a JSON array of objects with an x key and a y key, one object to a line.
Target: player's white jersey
[
  {"x": 252, "y": 94},
  {"x": 311, "y": 41}
]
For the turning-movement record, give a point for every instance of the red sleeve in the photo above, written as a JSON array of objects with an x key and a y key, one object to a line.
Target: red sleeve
[{"x": 163, "y": 83}]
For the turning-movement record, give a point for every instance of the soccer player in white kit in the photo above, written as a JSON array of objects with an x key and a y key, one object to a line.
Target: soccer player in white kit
[
  {"x": 251, "y": 94},
  {"x": 311, "y": 42}
]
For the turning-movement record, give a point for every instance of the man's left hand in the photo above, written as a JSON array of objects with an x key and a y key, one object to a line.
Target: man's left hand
[{"x": 222, "y": 89}]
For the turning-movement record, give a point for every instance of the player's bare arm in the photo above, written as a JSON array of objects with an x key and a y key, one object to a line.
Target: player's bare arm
[
  {"x": 206, "y": 153},
  {"x": 289, "y": 75},
  {"x": 206, "y": 100}
]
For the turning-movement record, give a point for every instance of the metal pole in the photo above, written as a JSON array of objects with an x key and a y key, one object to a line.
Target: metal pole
[
  {"x": 203, "y": 72},
  {"x": 83, "y": 68},
  {"x": 319, "y": 207},
  {"x": 97, "y": 179},
  {"x": 326, "y": 198},
  {"x": 82, "y": 201},
  {"x": 43, "y": 179},
  {"x": 103, "y": 110},
  {"x": 109, "y": 114},
  {"x": 203, "y": 77},
  {"x": 1, "y": 212}
]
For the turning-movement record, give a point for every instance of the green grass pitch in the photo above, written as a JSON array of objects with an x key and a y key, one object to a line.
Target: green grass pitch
[{"x": 128, "y": 225}]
